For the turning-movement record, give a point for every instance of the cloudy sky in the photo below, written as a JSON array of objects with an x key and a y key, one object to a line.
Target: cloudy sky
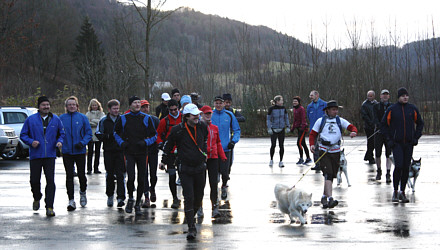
[{"x": 407, "y": 20}]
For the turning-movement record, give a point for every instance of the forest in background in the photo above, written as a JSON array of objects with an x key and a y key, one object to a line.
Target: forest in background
[{"x": 205, "y": 54}]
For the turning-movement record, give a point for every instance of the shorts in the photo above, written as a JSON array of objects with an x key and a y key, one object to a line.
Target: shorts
[{"x": 329, "y": 163}]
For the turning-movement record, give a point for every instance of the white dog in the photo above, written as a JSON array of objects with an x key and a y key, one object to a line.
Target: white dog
[
  {"x": 414, "y": 171},
  {"x": 342, "y": 169},
  {"x": 293, "y": 201}
]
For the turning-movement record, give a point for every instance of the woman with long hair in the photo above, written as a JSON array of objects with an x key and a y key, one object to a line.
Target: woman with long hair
[
  {"x": 277, "y": 127},
  {"x": 94, "y": 115},
  {"x": 300, "y": 124}
]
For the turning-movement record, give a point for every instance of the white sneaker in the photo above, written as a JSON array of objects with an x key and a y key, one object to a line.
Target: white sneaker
[
  {"x": 71, "y": 206},
  {"x": 281, "y": 164},
  {"x": 271, "y": 163},
  {"x": 82, "y": 199}
]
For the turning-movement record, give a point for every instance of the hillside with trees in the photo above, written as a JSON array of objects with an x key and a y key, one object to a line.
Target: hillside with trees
[{"x": 40, "y": 46}]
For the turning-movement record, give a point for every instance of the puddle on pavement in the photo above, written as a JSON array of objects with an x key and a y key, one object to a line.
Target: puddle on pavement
[{"x": 398, "y": 229}]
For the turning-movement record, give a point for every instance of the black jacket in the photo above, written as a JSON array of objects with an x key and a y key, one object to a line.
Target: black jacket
[
  {"x": 379, "y": 110},
  {"x": 188, "y": 152},
  {"x": 162, "y": 111},
  {"x": 367, "y": 114},
  {"x": 104, "y": 132}
]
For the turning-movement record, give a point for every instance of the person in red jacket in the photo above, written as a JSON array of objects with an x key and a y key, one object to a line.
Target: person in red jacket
[
  {"x": 300, "y": 123},
  {"x": 163, "y": 131},
  {"x": 214, "y": 151},
  {"x": 329, "y": 128}
]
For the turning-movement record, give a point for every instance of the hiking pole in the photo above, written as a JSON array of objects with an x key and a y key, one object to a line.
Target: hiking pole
[
  {"x": 362, "y": 142},
  {"x": 309, "y": 169}
]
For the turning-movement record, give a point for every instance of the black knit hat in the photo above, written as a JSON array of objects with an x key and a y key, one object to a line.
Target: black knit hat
[
  {"x": 42, "y": 99},
  {"x": 402, "y": 91},
  {"x": 227, "y": 97},
  {"x": 174, "y": 91},
  {"x": 132, "y": 99}
]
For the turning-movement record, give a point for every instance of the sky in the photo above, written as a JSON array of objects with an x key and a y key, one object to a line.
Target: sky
[{"x": 389, "y": 20}]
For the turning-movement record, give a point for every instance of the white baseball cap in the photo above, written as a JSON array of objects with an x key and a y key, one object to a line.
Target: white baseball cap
[
  {"x": 166, "y": 97},
  {"x": 191, "y": 109}
]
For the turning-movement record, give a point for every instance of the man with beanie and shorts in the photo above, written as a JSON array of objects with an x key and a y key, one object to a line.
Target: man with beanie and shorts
[
  {"x": 190, "y": 138},
  {"x": 43, "y": 132},
  {"x": 134, "y": 133},
  {"x": 402, "y": 125},
  {"x": 329, "y": 128}
]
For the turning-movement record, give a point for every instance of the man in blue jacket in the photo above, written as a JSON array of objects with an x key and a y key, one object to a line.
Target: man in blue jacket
[
  {"x": 43, "y": 132},
  {"x": 78, "y": 135},
  {"x": 229, "y": 132},
  {"x": 315, "y": 110},
  {"x": 135, "y": 133},
  {"x": 402, "y": 126}
]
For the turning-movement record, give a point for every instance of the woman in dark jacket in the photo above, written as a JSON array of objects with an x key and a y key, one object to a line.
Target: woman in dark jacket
[{"x": 300, "y": 123}]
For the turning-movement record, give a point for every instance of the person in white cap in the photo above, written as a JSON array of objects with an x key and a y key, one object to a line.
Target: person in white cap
[
  {"x": 190, "y": 138},
  {"x": 379, "y": 139},
  {"x": 162, "y": 109}
]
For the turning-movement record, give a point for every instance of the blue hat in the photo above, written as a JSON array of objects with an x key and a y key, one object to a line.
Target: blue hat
[{"x": 185, "y": 99}]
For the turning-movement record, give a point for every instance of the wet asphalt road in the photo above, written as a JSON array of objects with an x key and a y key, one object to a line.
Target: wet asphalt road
[{"x": 365, "y": 216}]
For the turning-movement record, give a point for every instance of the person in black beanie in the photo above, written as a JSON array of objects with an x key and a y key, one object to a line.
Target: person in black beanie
[
  {"x": 175, "y": 94},
  {"x": 402, "y": 125},
  {"x": 134, "y": 133}
]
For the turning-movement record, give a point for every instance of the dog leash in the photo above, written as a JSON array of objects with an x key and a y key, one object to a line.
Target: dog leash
[
  {"x": 362, "y": 142},
  {"x": 309, "y": 170}
]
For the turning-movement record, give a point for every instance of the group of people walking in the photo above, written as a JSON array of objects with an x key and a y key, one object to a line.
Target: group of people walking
[
  {"x": 197, "y": 139},
  {"x": 397, "y": 127},
  {"x": 194, "y": 140}
]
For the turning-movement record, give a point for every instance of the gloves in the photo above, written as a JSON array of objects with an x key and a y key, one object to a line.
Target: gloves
[
  {"x": 79, "y": 145},
  {"x": 141, "y": 143},
  {"x": 124, "y": 145},
  {"x": 415, "y": 142},
  {"x": 287, "y": 130},
  {"x": 231, "y": 145},
  {"x": 160, "y": 146},
  {"x": 269, "y": 131},
  {"x": 390, "y": 144}
]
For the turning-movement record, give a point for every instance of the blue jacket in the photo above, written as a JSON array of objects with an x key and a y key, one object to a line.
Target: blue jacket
[
  {"x": 398, "y": 123},
  {"x": 32, "y": 130},
  {"x": 315, "y": 111},
  {"x": 77, "y": 128},
  {"x": 227, "y": 125}
]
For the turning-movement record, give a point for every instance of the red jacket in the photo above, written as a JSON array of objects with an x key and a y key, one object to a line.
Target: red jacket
[
  {"x": 299, "y": 118},
  {"x": 215, "y": 148},
  {"x": 165, "y": 125}
]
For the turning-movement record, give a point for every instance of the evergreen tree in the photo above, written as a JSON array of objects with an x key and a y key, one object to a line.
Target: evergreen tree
[{"x": 89, "y": 60}]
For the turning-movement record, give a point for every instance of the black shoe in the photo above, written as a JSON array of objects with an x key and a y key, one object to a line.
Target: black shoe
[
  {"x": 402, "y": 197},
  {"x": 388, "y": 176},
  {"x": 324, "y": 202},
  {"x": 121, "y": 203},
  {"x": 176, "y": 204},
  {"x": 332, "y": 203},
  {"x": 36, "y": 205},
  {"x": 308, "y": 160},
  {"x": 152, "y": 195},
  {"x": 192, "y": 233},
  {"x": 395, "y": 197},
  {"x": 89, "y": 172},
  {"x": 129, "y": 207},
  {"x": 372, "y": 161},
  {"x": 317, "y": 168},
  {"x": 50, "y": 212},
  {"x": 146, "y": 204},
  {"x": 300, "y": 161},
  {"x": 97, "y": 172},
  {"x": 215, "y": 212},
  {"x": 137, "y": 210},
  {"x": 379, "y": 174}
]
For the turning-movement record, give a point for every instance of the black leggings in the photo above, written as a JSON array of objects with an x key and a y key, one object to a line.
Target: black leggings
[
  {"x": 273, "y": 139},
  {"x": 301, "y": 143}
]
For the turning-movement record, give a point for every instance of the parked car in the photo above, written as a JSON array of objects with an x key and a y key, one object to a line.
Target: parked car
[
  {"x": 8, "y": 139},
  {"x": 14, "y": 117}
]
